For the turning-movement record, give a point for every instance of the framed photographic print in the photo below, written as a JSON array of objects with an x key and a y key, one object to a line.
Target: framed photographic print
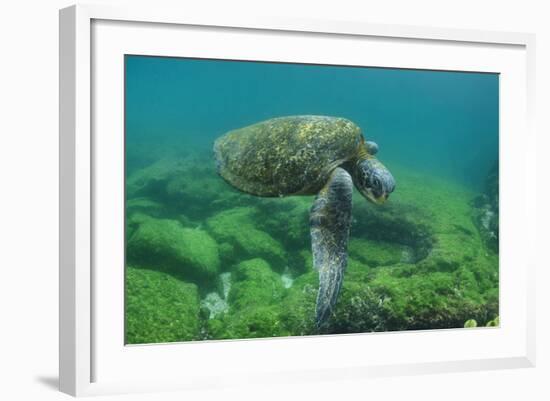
[{"x": 274, "y": 200}]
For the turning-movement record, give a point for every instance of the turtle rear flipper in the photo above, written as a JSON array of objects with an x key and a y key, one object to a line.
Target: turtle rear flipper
[{"x": 330, "y": 219}]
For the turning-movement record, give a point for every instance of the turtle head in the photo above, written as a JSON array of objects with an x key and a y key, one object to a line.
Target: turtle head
[{"x": 371, "y": 177}]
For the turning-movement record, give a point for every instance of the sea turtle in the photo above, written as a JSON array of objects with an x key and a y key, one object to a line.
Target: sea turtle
[{"x": 308, "y": 155}]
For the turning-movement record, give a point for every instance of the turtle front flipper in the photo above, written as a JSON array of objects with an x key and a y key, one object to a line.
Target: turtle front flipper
[{"x": 330, "y": 219}]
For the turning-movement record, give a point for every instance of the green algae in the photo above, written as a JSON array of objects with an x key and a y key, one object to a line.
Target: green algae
[
  {"x": 260, "y": 321},
  {"x": 187, "y": 253},
  {"x": 254, "y": 283},
  {"x": 237, "y": 227},
  {"x": 378, "y": 253},
  {"x": 298, "y": 306},
  {"x": 254, "y": 303},
  {"x": 160, "y": 308},
  {"x": 287, "y": 219},
  {"x": 417, "y": 262},
  {"x": 152, "y": 179},
  {"x": 146, "y": 206}
]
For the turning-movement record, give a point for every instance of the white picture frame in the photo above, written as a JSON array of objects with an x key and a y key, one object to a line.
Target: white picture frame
[{"x": 90, "y": 35}]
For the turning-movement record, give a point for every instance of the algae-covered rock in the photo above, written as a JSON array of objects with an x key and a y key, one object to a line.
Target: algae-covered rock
[
  {"x": 486, "y": 209},
  {"x": 359, "y": 309},
  {"x": 425, "y": 301},
  {"x": 238, "y": 228},
  {"x": 198, "y": 191},
  {"x": 186, "y": 221},
  {"x": 449, "y": 252},
  {"x": 254, "y": 322},
  {"x": 254, "y": 283},
  {"x": 254, "y": 304},
  {"x": 227, "y": 253},
  {"x": 298, "y": 306},
  {"x": 300, "y": 262},
  {"x": 144, "y": 205},
  {"x": 187, "y": 184},
  {"x": 133, "y": 221},
  {"x": 160, "y": 308},
  {"x": 487, "y": 221},
  {"x": 152, "y": 180},
  {"x": 166, "y": 245},
  {"x": 287, "y": 219},
  {"x": 416, "y": 262},
  {"x": 379, "y": 253},
  {"x": 395, "y": 224}
]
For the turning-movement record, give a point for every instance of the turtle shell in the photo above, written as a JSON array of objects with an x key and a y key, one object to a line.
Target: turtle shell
[{"x": 286, "y": 155}]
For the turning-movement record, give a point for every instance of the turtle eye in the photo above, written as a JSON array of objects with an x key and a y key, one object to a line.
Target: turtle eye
[{"x": 372, "y": 147}]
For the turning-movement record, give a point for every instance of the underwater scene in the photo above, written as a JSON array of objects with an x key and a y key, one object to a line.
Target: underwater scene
[{"x": 277, "y": 199}]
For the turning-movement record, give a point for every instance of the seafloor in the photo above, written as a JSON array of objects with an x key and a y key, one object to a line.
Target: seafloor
[{"x": 205, "y": 261}]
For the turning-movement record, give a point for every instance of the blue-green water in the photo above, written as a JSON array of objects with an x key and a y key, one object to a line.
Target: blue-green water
[
  {"x": 205, "y": 261},
  {"x": 445, "y": 122}
]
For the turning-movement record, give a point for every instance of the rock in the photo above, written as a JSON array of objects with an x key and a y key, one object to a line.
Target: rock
[
  {"x": 298, "y": 306},
  {"x": 152, "y": 180},
  {"x": 424, "y": 300},
  {"x": 160, "y": 308},
  {"x": 144, "y": 205},
  {"x": 224, "y": 284},
  {"x": 378, "y": 253},
  {"x": 396, "y": 224},
  {"x": 416, "y": 262},
  {"x": 254, "y": 322},
  {"x": 215, "y": 304},
  {"x": 287, "y": 219},
  {"x": 449, "y": 252},
  {"x": 287, "y": 279},
  {"x": 254, "y": 299},
  {"x": 237, "y": 227},
  {"x": 133, "y": 221},
  {"x": 198, "y": 192},
  {"x": 166, "y": 245},
  {"x": 300, "y": 262},
  {"x": 186, "y": 221},
  {"x": 181, "y": 184},
  {"x": 359, "y": 309},
  {"x": 486, "y": 209},
  {"x": 227, "y": 253},
  {"x": 253, "y": 284}
]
